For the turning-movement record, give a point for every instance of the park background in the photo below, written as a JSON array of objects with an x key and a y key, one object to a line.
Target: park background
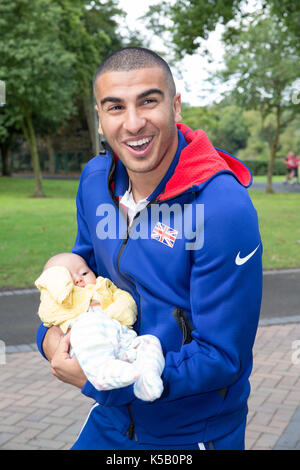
[{"x": 236, "y": 64}]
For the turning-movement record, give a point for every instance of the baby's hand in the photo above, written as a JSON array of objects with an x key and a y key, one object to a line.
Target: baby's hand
[
  {"x": 148, "y": 386},
  {"x": 150, "y": 364}
]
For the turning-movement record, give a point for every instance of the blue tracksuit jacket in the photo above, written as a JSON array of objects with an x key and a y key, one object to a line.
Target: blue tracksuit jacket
[{"x": 192, "y": 261}]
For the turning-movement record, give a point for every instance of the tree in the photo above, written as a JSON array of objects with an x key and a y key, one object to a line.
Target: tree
[
  {"x": 197, "y": 117},
  {"x": 36, "y": 68},
  {"x": 191, "y": 21},
  {"x": 262, "y": 62},
  {"x": 8, "y": 128},
  {"x": 232, "y": 132},
  {"x": 88, "y": 30},
  {"x": 288, "y": 13},
  {"x": 225, "y": 125}
]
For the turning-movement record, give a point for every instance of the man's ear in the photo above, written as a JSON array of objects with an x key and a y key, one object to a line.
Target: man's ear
[
  {"x": 177, "y": 108},
  {"x": 100, "y": 131}
]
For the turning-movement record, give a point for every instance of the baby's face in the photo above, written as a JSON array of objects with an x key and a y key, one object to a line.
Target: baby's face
[{"x": 79, "y": 270}]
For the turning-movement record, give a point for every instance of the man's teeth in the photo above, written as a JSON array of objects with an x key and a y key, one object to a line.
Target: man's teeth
[{"x": 137, "y": 143}]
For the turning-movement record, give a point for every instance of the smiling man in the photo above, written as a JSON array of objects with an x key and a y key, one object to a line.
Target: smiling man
[
  {"x": 138, "y": 109},
  {"x": 201, "y": 300}
]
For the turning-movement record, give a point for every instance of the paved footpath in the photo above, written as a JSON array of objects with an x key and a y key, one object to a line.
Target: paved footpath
[{"x": 37, "y": 412}]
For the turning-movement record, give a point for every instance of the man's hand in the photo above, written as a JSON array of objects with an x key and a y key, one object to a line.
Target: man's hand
[{"x": 64, "y": 367}]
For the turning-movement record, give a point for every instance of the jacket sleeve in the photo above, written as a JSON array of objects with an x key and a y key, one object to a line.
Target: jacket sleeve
[
  {"x": 225, "y": 297},
  {"x": 40, "y": 335}
]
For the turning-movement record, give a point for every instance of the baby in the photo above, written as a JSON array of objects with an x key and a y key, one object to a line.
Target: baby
[{"x": 100, "y": 316}]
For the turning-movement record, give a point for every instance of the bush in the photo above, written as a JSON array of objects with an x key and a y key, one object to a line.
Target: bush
[{"x": 260, "y": 167}]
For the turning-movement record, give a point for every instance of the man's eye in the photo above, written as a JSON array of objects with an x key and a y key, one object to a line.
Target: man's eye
[
  {"x": 149, "y": 101},
  {"x": 117, "y": 107}
]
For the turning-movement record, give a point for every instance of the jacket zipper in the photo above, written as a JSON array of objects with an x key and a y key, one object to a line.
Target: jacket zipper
[
  {"x": 131, "y": 431},
  {"x": 116, "y": 202},
  {"x": 184, "y": 325}
]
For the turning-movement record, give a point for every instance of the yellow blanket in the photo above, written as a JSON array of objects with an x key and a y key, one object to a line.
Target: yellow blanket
[{"x": 62, "y": 301}]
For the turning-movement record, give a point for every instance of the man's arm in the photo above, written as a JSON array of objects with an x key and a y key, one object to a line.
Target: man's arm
[
  {"x": 51, "y": 341},
  {"x": 225, "y": 296}
]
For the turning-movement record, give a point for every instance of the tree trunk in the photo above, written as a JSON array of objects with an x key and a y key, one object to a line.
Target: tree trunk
[
  {"x": 6, "y": 161},
  {"x": 51, "y": 154},
  {"x": 91, "y": 118},
  {"x": 31, "y": 140},
  {"x": 269, "y": 188},
  {"x": 273, "y": 150}
]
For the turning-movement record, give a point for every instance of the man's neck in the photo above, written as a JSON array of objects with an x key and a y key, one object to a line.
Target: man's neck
[
  {"x": 143, "y": 184},
  {"x": 140, "y": 187}
]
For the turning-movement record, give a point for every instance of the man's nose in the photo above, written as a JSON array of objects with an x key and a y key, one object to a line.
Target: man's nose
[{"x": 134, "y": 121}]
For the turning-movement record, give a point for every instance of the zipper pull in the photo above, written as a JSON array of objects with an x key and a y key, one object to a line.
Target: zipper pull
[{"x": 130, "y": 431}]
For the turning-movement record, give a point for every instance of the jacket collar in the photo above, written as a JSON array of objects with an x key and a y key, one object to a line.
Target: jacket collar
[{"x": 198, "y": 162}]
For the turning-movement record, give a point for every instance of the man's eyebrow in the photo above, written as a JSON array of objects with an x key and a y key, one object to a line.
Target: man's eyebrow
[
  {"x": 114, "y": 99},
  {"x": 150, "y": 92},
  {"x": 111, "y": 99}
]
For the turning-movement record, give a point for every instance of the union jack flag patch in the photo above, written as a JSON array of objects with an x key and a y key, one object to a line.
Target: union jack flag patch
[{"x": 164, "y": 234}]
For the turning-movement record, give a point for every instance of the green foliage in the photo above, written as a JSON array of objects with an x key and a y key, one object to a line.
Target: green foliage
[
  {"x": 257, "y": 147},
  {"x": 260, "y": 167},
  {"x": 191, "y": 21},
  {"x": 288, "y": 13},
  {"x": 223, "y": 122},
  {"x": 224, "y": 125},
  {"x": 260, "y": 59},
  {"x": 36, "y": 67},
  {"x": 89, "y": 31},
  {"x": 49, "y": 53},
  {"x": 34, "y": 63},
  {"x": 232, "y": 132},
  {"x": 205, "y": 118}
]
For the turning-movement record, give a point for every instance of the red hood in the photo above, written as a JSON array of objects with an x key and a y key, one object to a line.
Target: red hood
[{"x": 199, "y": 161}]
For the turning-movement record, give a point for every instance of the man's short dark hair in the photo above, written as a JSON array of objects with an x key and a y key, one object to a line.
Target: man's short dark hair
[{"x": 133, "y": 58}]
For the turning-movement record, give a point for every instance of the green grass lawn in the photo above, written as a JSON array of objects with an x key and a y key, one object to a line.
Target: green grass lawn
[
  {"x": 279, "y": 220},
  {"x": 31, "y": 230},
  {"x": 263, "y": 178}
]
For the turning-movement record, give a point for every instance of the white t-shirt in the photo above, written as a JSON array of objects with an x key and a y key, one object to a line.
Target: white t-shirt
[{"x": 132, "y": 207}]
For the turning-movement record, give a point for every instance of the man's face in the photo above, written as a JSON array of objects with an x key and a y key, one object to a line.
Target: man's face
[{"x": 138, "y": 117}]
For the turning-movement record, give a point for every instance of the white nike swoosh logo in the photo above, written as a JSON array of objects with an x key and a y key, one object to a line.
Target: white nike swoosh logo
[{"x": 239, "y": 261}]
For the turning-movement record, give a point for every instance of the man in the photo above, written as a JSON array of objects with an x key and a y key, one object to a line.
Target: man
[
  {"x": 290, "y": 167},
  {"x": 168, "y": 218}
]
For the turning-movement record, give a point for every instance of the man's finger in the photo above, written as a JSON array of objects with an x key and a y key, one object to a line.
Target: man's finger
[{"x": 64, "y": 344}]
